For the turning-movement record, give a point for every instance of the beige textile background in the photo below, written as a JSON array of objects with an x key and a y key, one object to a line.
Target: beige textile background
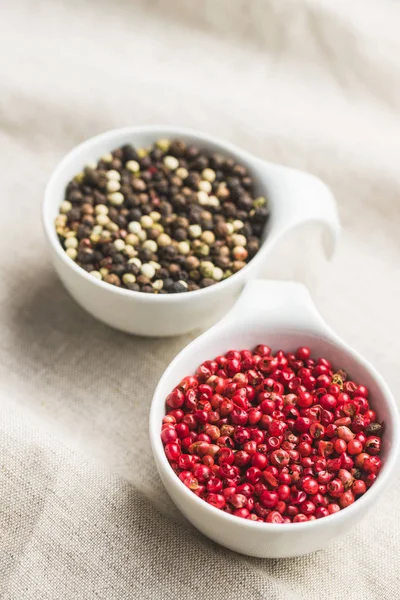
[{"x": 312, "y": 84}]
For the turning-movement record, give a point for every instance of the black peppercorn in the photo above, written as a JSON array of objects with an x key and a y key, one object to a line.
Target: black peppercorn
[
  {"x": 177, "y": 148},
  {"x": 180, "y": 234},
  {"x": 117, "y": 269},
  {"x": 206, "y": 282},
  {"x": 132, "y": 268},
  {"x": 177, "y": 287}
]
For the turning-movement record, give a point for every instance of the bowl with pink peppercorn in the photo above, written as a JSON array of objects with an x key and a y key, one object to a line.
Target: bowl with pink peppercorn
[
  {"x": 271, "y": 435},
  {"x": 155, "y": 230}
]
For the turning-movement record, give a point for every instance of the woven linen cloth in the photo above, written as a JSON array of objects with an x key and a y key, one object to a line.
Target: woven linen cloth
[{"x": 314, "y": 85}]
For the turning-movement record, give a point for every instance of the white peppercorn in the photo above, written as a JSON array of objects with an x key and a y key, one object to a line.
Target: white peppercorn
[
  {"x": 129, "y": 250},
  {"x": 150, "y": 245},
  {"x": 158, "y": 284},
  {"x": 65, "y": 207},
  {"x": 132, "y": 239},
  {"x": 113, "y": 174},
  {"x": 146, "y": 221},
  {"x": 148, "y": 270},
  {"x": 119, "y": 245},
  {"x": 101, "y": 209},
  {"x": 134, "y": 167},
  {"x": 134, "y": 227},
  {"x": 136, "y": 261},
  {"x": 128, "y": 278},
  {"x": 237, "y": 224},
  {"x": 184, "y": 247},
  {"x": 155, "y": 264},
  {"x": 163, "y": 240},
  {"x": 113, "y": 185},
  {"x": 217, "y": 274},
  {"x": 203, "y": 198},
  {"x": 206, "y": 268},
  {"x": 182, "y": 172},
  {"x": 171, "y": 162},
  {"x": 156, "y": 216},
  {"x": 71, "y": 242},
  {"x": 103, "y": 220},
  {"x": 213, "y": 201},
  {"x": 208, "y": 237},
  {"x": 208, "y": 175},
  {"x": 163, "y": 144},
  {"x": 72, "y": 253},
  {"x": 205, "y": 186},
  {"x": 195, "y": 231},
  {"x": 116, "y": 198},
  {"x": 96, "y": 274},
  {"x": 239, "y": 240}
]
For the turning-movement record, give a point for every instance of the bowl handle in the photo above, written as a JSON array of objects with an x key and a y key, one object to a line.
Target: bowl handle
[
  {"x": 298, "y": 198},
  {"x": 282, "y": 304}
]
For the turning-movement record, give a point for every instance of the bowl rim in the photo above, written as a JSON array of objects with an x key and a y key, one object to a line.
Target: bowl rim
[
  {"x": 109, "y": 136},
  {"x": 357, "y": 507}
]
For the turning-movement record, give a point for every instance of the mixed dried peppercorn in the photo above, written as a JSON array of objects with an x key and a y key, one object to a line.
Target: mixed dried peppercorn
[
  {"x": 276, "y": 438},
  {"x": 170, "y": 218}
]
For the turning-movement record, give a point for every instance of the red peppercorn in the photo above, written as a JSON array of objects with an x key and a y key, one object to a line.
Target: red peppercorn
[
  {"x": 310, "y": 485},
  {"x": 168, "y": 435},
  {"x": 246, "y": 489},
  {"x": 300, "y": 519},
  {"x": 279, "y": 458},
  {"x": 340, "y": 446},
  {"x": 328, "y": 401},
  {"x": 324, "y": 477},
  {"x": 370, "y": 479},
  {"x": 360, "y": 459},
  {"x": 253, "y": 475},
  {"x": 358, "y": 487},
  {"x": 272, "y": 437},
  {"x": 172, "y": 451},
  {"x": 216, "y": 500},
  {"x": 346, "y": 478},
  {"x": 304, "y": 449},
  {"x": 274, "y": 517},
  {"x": 346, "y": 499},
  {"x": 307, "y": 508},
  {"x": 373, "y": 444},
  {"x": 335, "y": 488},
  {"x": 372, "y": 464},
  {"x": 269, "y": 499},
  {"x": 302, "y": 424},
  {"x": 354, "y": 447},
  {"x": 175, "y": 399},
  {"x": 303, "y": 353},
  {"x": 259, "y": 460}
]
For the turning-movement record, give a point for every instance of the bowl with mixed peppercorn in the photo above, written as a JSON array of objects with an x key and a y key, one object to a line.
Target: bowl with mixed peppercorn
[
  {"x": 270, "y": 434},
  {"x": 155, "y": 230}
]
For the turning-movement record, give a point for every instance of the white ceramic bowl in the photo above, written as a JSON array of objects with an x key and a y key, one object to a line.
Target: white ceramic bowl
[
  {"x": 295, "y": 198},
  {"x": 282, "y": 315}
]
